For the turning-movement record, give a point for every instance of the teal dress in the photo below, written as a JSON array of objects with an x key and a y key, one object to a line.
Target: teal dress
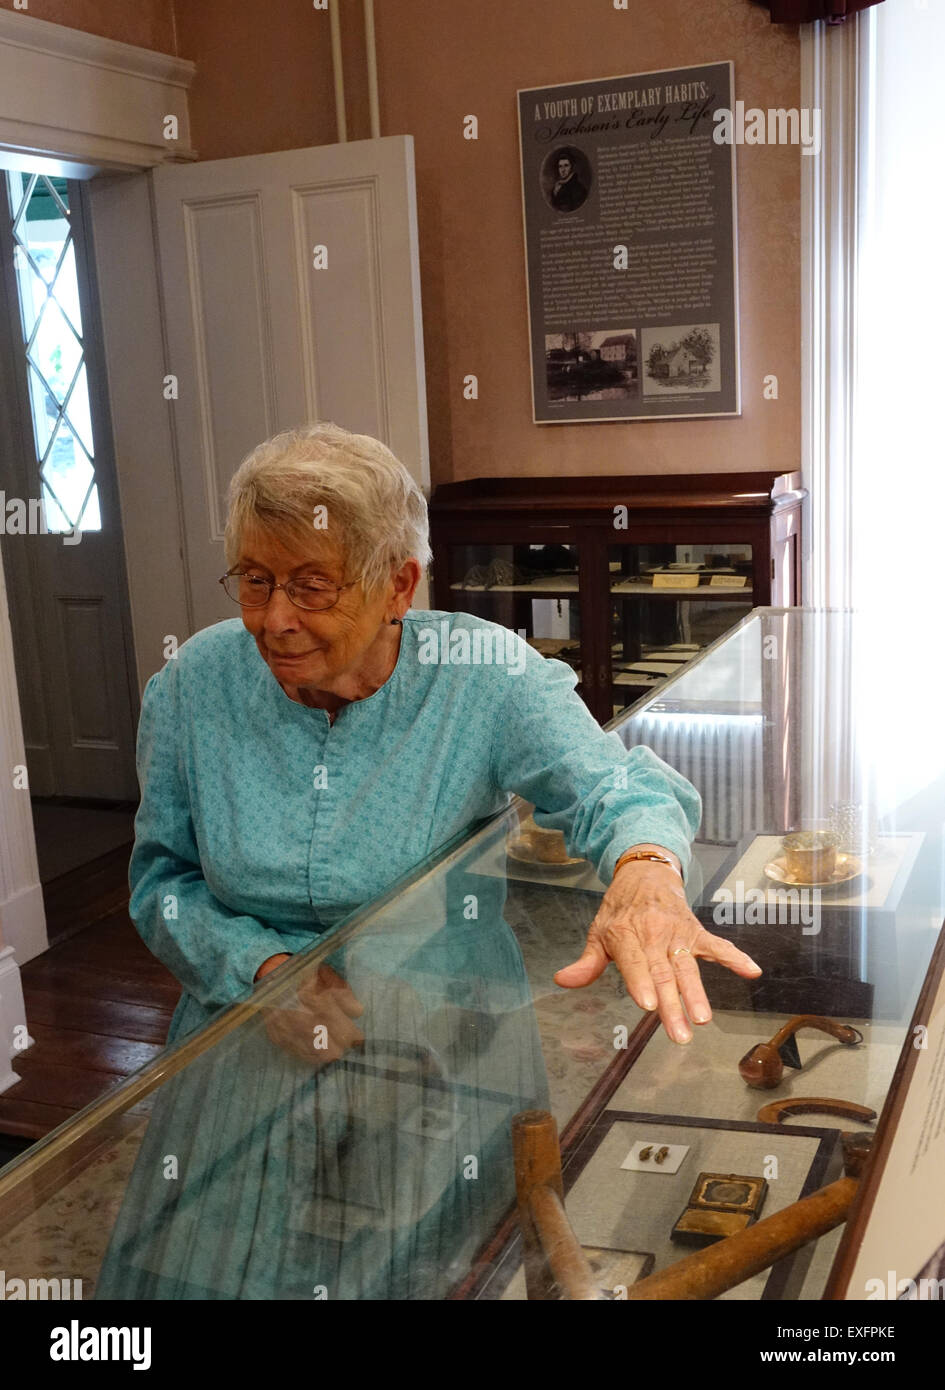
[{"x": 261, "y": 827}]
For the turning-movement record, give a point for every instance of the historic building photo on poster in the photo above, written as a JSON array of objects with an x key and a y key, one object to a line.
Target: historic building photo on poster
[{"x": 629, "y": 208}]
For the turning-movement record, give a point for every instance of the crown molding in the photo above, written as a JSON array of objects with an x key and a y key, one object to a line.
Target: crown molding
[
  {"x": 91, "y": 50},
  {"x": 88, "y": 103}
]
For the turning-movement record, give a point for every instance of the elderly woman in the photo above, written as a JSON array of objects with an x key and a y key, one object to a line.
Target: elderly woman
[{"x": 295, "y": 762}]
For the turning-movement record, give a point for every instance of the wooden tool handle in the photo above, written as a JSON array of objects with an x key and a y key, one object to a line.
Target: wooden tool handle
[
  {"x": 552, "y": 1252},
  {"x": 707, "y": 1273},
  {"x": 567, "y": 1261}
]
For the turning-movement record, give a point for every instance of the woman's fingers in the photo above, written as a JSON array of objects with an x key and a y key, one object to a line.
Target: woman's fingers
[
  {"x": 319, "y": 1035},
  {"x": 716, "y": 948},
  {"x": 327, "y": 983},
  {"x": 670, "y": 1006},
  {"x": 591, "y": 963},
  {"x": 337, "y": 1024},
  {"x": 655, "y": 948},
  {"x": 676, "y": 981},
  {"x": 347, "y": 1001},
  {"x": 689, "y": 984},
  {"x": 630, "y": 961}
]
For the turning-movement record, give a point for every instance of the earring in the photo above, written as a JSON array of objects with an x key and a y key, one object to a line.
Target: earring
[
  {"x": 662, "y": 1155},
  {"x": 645, "y": 1153},
  {"x": 396, "y": 622}
]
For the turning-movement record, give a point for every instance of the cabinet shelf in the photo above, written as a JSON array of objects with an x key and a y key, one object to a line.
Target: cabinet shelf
[
  {"x": 590, "y": 576},
  {"x": 704, "y": 591},
  {"x": 638, "y": 682},
  {"x": 564, "y": 586}
]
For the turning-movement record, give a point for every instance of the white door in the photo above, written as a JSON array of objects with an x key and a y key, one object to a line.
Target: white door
[
  {"x": 62, "y": 555},
  {"x": 291, "y": 293}
]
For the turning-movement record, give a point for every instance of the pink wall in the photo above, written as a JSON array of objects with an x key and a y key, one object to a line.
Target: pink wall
[
  {"x": 264, "y": 83},
  {"x": 147, "y": 23},
  {"x": 264, "y": 74},
  {"x": 439, "y": 62}
]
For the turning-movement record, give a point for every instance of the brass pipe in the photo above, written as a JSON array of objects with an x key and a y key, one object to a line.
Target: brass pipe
[
  {"x": 370, "y": 43},
  {"x": 338, "y": 72}
]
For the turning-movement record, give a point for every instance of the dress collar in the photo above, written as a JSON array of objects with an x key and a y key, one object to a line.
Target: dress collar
[{"x": 267, "y": 688}]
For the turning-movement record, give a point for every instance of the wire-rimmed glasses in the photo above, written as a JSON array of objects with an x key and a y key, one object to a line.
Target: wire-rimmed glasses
[{"x": 251, "y": 590}]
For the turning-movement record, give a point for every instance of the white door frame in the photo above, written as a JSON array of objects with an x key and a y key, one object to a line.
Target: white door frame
[
  {"x": 72, "y": 104},
  {"x": 344, "y": 343}
]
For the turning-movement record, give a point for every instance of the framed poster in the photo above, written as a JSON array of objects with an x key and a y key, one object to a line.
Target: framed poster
[{"x": 630, "y": 247}]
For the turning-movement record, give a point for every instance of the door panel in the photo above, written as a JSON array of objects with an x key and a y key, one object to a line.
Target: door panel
[
  {"x": 262, "y": 336},
  {"x": 345, "y": 220},
  {"x": 66, "y": 585}
]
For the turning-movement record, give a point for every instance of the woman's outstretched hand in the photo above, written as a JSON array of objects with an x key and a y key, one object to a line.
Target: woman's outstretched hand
[
  {"x": 321, "y": 1028},
  {"x": 644, "y": 925}
]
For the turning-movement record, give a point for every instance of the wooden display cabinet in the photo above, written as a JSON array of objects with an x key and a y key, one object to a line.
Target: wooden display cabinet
[{"x": 626, "y": 579}]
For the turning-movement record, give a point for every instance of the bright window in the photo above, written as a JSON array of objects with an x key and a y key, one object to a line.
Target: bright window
[
  {"x": 51, "y": 320},
  {"x": 899, "y": 457}
]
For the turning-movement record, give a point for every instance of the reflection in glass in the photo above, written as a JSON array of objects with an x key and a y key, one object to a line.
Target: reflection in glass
[
  {"x": 374, "y": 1176},
  {"x": 234, "y": 1168}
]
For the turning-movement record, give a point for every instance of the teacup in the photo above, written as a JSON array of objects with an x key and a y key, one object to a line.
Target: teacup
[{"x": 810, "y": 855}]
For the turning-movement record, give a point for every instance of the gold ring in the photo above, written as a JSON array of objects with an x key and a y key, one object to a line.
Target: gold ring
[{"x": 679, "y": 950}]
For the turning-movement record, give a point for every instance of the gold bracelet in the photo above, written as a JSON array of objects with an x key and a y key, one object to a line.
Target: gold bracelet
[{"x": 645, "y": 854}]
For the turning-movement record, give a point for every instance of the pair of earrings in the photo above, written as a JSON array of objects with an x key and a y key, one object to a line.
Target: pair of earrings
[{"x": 659, "y": 1157}]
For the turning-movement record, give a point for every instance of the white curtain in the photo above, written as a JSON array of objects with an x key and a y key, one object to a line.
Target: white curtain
[{"x": 897, "y": 544}]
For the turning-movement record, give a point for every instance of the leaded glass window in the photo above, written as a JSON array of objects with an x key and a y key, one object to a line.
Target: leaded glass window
[{"x": 51, "y": 319}]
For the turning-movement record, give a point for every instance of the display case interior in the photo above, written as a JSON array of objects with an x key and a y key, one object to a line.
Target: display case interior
[
  {"x": 625, "y": 579},
  {"x": 668, "y": 603},
  {"x": 532, "y": 589},
  {"x": 227, "y": 1168}
]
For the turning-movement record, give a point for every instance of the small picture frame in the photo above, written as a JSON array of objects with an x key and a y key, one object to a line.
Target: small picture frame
[
  {"x": 720, "y": 1205},
  {"x": 729, "y": 1192}
]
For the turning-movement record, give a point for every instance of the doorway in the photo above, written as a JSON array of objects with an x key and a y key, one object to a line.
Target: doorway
[{"x": 61, "y": 530}]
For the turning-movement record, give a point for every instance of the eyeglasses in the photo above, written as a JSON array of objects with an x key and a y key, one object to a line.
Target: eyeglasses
[{"x": 255, "y": 590}]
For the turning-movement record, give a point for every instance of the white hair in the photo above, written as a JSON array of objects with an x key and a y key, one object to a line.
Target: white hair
[{"x": 322, "y": 480}]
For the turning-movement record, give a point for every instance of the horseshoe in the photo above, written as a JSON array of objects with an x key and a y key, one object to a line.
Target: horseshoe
[{"x": 776, "y": 1110}]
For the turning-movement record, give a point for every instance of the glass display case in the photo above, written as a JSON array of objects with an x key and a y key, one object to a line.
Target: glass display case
[
  {"x": 667, "y": 604},
  {"x": 532, "y": 589},
  {"x": 380, "y": 1164},
  {"x": 625, "y": 579}
]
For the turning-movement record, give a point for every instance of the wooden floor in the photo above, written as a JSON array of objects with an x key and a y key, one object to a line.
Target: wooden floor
[{"x": 98, "y": 1004}]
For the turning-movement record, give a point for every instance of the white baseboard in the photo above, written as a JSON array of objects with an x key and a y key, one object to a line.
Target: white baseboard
[
  {"x": 23, "y": 923},
  {"x": 13, "y": 1031}
]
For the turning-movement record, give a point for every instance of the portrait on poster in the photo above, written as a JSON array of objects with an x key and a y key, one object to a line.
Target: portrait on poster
[
  {"x": 629, "y": 222},
  {"x": 566, "y": 178}
]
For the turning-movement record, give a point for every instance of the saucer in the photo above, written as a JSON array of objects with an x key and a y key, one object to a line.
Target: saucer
[
  {"x": 847, "y": 866},
  {"x": 515, "y": 851}
]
